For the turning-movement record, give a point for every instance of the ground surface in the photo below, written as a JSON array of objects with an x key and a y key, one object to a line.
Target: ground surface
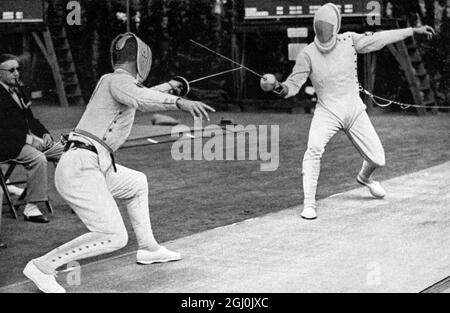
[
  {"x": 193, "y": 196},
  {"x": 358, "y": 244}
]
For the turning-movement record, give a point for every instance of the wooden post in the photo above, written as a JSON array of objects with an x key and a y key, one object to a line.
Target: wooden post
[
  {"x": 128, "y": 16},
  {"x": 26, "y": 60},
  {"x": 242, "y": 73},
  {"x": 34, "y": 66},
  {"x": 235, "y": 56},
  {"x": 400, "y": 53},
  {"x": 49, "y": 53}
]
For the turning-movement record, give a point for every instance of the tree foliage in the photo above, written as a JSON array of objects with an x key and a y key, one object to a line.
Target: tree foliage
[{"x": 167, "y": 26}]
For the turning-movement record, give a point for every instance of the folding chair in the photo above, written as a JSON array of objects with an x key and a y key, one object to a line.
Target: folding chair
[{"x": 4, "y": 176}]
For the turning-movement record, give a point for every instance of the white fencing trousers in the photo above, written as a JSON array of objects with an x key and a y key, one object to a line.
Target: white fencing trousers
[
  {"x": 90, "y": 193},
  {"x": 324, "y": 126}
]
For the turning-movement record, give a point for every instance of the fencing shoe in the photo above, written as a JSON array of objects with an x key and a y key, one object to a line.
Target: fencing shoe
[
  {"x": 31, "y": 213},
  {"x": 309, "y": 213},
  {"x": 162, "y": 255},
  {"x": 375, "y": 187},
  {"x": 45, "y": 282}
]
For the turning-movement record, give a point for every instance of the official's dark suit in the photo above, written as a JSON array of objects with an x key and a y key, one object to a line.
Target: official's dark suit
[{"x": 15, "y": 124}]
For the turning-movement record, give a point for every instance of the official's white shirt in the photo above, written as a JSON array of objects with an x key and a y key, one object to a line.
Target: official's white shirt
[{"x": 335, "y": 75}]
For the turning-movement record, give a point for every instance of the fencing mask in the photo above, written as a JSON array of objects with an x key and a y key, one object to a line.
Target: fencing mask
[
  {"x": 327, "y": 23},
  {"x": 143, "y": 55}
]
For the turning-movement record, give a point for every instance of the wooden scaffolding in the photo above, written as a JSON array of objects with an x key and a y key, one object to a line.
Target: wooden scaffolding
[{"x": 54, "y": 46}]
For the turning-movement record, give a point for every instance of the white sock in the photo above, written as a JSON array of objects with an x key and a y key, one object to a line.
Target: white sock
[
  {"x": 14, "y": 189},
  {"x": 367, "y": 171},
  {"x": 311, "y": 170},
  {"x": 138, "y": 211},
  {"x": 31, "y": 209}
]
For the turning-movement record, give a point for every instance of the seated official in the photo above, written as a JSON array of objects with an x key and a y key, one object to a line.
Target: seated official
[{"x": 23, "y": 138}]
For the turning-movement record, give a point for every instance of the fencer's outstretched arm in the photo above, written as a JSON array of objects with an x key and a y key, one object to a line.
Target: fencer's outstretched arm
[
  {"x": 177, "y": 87},
  {"x": 164, "y": 87},
  {"x": 125, "y": 90},
  {"x": 293, "y": 83},
  {"x": 369, "y": 42},
  {"x": 173, "y": 86},
  {"x": 298, "y": 77}
]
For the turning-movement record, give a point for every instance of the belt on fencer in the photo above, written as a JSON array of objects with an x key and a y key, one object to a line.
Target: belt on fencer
[
  {"x": 80, "y": 145},
  {"x": 95, "y": 138}
]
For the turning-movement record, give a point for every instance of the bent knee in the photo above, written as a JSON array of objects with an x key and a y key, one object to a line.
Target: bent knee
[
  {"x": 118, "y": 240},
  {"x": 379, "y": 162},
  {"x": 122, "y": 239},
  {"x": 40, "y": 161}
]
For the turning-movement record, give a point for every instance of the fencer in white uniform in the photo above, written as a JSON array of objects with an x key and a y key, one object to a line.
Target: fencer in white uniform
[
  {"x": 88, "y": 178},
  {"x": 331, "y": 64}
]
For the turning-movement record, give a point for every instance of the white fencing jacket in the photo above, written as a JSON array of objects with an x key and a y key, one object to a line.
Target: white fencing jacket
[
  {"x": 335, "y": 75},
  {"x": 109, "y": 116}
]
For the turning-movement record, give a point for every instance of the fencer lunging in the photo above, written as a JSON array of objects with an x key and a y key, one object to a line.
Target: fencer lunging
[
  {"x": 331, "y": 64},
  {"x": 88, "y": 178}
]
